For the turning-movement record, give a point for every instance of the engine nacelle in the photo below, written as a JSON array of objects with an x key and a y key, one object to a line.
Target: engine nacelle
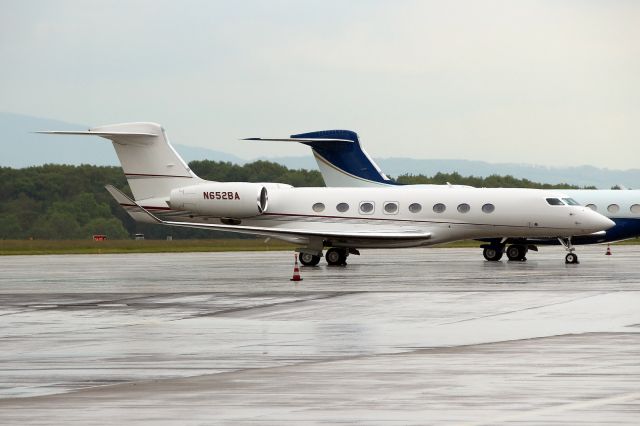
[{"x": 221, "y": 199}]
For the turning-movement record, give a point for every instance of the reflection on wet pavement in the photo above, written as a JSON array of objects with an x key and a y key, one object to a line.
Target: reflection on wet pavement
[{"x": 409, "y": 336}]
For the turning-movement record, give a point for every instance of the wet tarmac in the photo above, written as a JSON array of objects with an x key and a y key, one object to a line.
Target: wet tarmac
[{"x": 411, "y": 336}]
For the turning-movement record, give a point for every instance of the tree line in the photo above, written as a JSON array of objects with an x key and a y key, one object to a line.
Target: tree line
[
  {"x": 492, "y": 181},
  {"x": 69, "y": 202}
]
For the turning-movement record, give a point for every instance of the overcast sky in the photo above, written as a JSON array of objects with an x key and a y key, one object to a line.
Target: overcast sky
[{"x": 546, "y": 82}]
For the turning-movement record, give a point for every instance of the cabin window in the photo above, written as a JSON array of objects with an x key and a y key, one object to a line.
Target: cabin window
[
  {"x": 415, "y": 208},
  {"x": 571, "y": 201},
  {"x": 342, "y": 207},
  {"x": 391, "y": 207},
  {"x": 488, "y": 208},
  {"x": 635, "y": 208},
  {"x": 464, "y": 208},
  {"x": 366, "y": 207},
  {"x": 555, "y": 201},
  {"x": 613, "y": 208},
  {"x": 592, "y": 207},
  {"x": 318, "y": 207},
  {"x": 439, "y": 208}
]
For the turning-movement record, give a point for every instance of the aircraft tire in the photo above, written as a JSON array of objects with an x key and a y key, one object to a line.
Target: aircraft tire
[
  {"x": 517, "y": 252},
  {"x": 336, "y": 257},
  {"x": 308, "y": 259},
  {"x": 492, "y": 254},
  {"x": 571, "y": 259}
]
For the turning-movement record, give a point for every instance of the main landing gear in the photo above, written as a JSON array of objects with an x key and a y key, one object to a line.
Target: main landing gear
[
  {"x": 571, "y": 258},
  {"x": 336, "y": 256},
  {"x": 515, "y": 252},
  {"x": 308, "y": 259},
  {"x": 493, "y": 253}
]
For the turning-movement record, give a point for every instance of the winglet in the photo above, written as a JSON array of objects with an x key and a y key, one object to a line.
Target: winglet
[
  {"x": 137, "y": 212},
  {"x": 119, "y": 196},
  {"x": 152, "y": 218}
]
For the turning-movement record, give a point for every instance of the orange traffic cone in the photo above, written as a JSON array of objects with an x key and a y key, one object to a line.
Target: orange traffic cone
[
  {"x": 608, "y": 253},
  {"x": 296, "y": 271}
]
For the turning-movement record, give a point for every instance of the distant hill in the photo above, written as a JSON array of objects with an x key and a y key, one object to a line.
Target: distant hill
[
  {"x": 20, "y": 148},
  {"x": 580, "y": 175}
]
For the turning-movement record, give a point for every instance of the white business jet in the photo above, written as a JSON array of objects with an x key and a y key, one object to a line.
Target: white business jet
[
  {"x": 343, "y": 162},
  {"x": 167, "y": 192}
]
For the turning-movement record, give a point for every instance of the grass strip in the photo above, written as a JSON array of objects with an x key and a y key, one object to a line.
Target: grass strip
[{"x": 28, "y": 247}]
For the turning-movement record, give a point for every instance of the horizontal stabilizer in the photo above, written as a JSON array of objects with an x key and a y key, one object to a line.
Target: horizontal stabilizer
[
  {"x": 123, "y": 138},
  {"x": 300, "y": 140},
  {"x": 89, "y": 132}
]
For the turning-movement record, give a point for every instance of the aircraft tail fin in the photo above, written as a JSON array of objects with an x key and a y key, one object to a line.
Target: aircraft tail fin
[
  {"x": 152, "y": 166},
  {"x": 341, "y": 159}
]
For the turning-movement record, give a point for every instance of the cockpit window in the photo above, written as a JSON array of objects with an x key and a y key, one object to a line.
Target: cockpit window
[
  {"x": 555, "y": 201},
  {"x": 571, "y": 201}
]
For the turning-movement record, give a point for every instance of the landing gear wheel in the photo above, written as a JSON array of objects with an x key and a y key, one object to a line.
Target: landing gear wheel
[
  {"x": 492, "y": 254},
  {"x": 517, "y": 252},
  {"x": 308, "y": 259},
  {"x": 336, "y": 257},
  {"x": 571, "y": 258}
]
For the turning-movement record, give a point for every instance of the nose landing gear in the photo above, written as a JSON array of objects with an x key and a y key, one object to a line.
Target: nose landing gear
[{"x": 571, "y": 258}]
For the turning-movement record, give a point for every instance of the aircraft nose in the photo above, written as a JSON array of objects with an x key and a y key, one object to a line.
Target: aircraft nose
[
  {"x": 608, "y": 223},
  {"x": 601, "y": 222}
]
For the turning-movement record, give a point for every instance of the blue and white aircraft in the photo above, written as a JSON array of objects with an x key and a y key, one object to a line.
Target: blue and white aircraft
[{"x": 344, "y": 163}]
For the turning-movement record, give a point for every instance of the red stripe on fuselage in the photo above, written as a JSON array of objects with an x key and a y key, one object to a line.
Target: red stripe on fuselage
[{"x": 150, "y": 175}]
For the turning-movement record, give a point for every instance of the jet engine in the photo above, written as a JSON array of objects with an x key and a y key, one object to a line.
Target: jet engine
[{"x": 221, "y": 199}]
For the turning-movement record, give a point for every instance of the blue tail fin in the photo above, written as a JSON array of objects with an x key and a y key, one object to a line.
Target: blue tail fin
[{"x": 343, "y": 164}]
